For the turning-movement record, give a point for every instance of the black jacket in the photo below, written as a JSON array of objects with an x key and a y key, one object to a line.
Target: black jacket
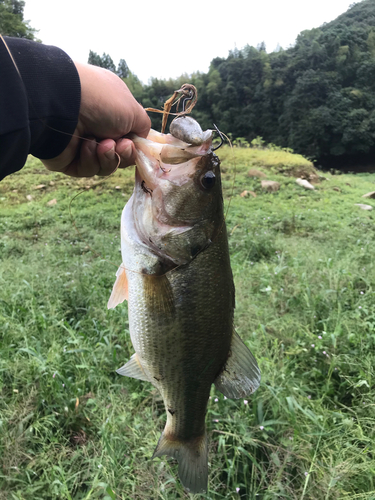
[{"x": 38, "y": 107}]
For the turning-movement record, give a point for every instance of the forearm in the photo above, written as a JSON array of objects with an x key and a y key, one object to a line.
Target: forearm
[{"x": 38, "y": 108}]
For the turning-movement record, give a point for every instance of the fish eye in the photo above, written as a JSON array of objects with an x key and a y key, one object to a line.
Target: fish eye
[{"x": 208, "y": 180}]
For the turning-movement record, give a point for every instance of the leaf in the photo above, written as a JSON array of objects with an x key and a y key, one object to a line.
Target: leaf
[
  {"x": 260, "y": 411},
  {"x": 275, "y": 459},
  {"x": 360, "y": 383},
  {"x": 111, "y": 493},
  {"x": 33, "y": 353},
  {"x": 268, "y": 423},
  {"x": 290, "y": 401},
  {"x": 72, "y": 351}
]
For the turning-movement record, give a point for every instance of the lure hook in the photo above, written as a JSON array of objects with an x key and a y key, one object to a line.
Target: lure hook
[
  {"x": 221, "y": 138},
  {"x": 191, "y": 95}
]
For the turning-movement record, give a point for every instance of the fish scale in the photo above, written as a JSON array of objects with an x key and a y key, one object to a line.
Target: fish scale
[{"x": 151, "y": 337}]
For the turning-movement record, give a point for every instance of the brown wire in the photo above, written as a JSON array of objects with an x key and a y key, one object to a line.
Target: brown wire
[{"x": 187, "y": 91}]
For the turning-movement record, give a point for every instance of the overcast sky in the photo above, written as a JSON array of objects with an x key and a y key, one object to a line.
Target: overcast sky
[{"x": 165, "y": 39}]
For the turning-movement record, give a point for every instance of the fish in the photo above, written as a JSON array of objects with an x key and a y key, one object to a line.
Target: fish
[{"x": 177, "y": 278}]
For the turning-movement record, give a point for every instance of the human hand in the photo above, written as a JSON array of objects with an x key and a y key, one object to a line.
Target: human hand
[{"x": 108, "y": 112}]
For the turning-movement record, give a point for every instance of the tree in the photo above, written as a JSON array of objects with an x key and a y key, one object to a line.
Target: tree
[
  {"x": 105, "y": 61},
  {"x": 123, "y": 69},
  {"x": 12, "y": 22},
  {"x": 94, "y": 59},
  {"x": 261, "y": 47}
]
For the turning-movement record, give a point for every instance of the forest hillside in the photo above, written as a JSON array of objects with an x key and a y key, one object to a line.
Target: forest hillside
[{"x": 317, "y": 97}]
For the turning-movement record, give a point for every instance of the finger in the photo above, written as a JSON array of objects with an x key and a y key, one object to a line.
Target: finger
[
  {"x": 107, "y": 157},
  {"x": 126, "y": 149},
  {"x": 86, "y": 164},
  {"x": 142, "y": 123}
]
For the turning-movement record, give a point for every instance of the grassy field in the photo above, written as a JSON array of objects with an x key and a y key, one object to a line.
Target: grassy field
[{"x": 71, "y": 428}]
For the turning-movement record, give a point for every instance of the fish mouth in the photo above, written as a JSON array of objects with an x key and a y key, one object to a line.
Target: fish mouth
[{"x": 163, "y": 157}]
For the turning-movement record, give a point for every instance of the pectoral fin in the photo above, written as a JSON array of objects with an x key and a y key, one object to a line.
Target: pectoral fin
[
  {"x": 119, "y": 290},
  {"x": 158, "y": 295},
  {"x": 133, "y": 369},
  {"x": 240, "y": 375}
]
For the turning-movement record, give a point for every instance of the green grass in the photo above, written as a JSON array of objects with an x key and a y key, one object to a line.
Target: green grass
[
  {"x": 71, "y": 428},
  {"x": 271, "y": 159}
]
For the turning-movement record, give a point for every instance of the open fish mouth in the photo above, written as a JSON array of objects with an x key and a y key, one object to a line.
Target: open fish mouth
[{"x": 172, "y": 156}]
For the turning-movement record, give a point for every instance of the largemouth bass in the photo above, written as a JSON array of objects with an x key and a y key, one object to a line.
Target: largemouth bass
[{"x": 177, "y": 278}]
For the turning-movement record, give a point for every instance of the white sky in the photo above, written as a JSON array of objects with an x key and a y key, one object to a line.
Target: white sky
[{"x": 166, "y": 39}]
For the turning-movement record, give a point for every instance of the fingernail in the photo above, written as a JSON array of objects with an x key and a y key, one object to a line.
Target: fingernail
[{"x": 110, "y": 154}]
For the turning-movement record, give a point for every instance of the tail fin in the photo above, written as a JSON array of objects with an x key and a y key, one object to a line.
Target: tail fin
[{"x": 192, "y": 460}]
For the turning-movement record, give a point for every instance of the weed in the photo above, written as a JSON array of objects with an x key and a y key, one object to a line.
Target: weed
[{"x": 70, "y": 428}]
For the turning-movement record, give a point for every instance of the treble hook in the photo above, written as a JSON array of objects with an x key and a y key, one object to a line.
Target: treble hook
[{"x": 221, "y": 137}]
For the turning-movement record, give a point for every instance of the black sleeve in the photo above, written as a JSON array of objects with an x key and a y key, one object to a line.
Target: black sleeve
[{"x": 38, "y": 107}]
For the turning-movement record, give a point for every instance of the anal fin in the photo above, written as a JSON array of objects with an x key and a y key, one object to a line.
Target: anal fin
[
  {"x": 119, "y": 290},
  {"x": 133, "y": 369},
  {"x": 240, "y": 375},
  {"x": 192, "y": 460}
]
